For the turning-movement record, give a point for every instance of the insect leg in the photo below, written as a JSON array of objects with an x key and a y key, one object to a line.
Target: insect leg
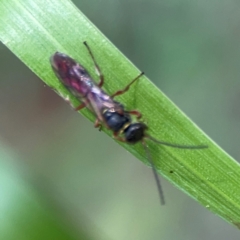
[
  {"x": 98, "y": 124},
  {"x": 81, "y": 106},
  {"x": 96, "y": 65},
  {"x": 120, "y": 92},
  {"x": 135, "y": 112},
  {"x": 115, "y": 135}
]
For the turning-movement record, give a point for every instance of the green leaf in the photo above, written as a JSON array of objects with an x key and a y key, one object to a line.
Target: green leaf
[{"x": 35, "y": 29}]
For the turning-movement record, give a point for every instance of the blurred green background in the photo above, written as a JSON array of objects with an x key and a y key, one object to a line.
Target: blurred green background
[{"x": 191, "y": 51}]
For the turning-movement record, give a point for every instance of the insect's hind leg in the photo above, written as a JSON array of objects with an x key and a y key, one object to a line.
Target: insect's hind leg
[
  {"x": 120, "y": 92},
  {"x": 96, "y": 65}
]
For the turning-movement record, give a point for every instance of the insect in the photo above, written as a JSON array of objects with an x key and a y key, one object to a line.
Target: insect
[{"x": 109, "y": 113}]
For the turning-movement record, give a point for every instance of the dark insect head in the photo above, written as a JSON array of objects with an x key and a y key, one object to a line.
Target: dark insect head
[{"x": 135, "y": 132}]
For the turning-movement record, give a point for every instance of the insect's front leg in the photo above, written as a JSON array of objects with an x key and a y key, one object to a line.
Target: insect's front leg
[
  {"x": 116, "y": 136},
  {"x": 135, "y": 112}
]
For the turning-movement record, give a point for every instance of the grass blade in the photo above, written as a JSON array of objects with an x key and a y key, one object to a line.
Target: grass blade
[{"x": 34, "y": 30}]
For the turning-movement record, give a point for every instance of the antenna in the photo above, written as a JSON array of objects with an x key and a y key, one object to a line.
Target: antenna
[
  {"x": 175, "y": 145},
  {"x": 160, "y": 191}
]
